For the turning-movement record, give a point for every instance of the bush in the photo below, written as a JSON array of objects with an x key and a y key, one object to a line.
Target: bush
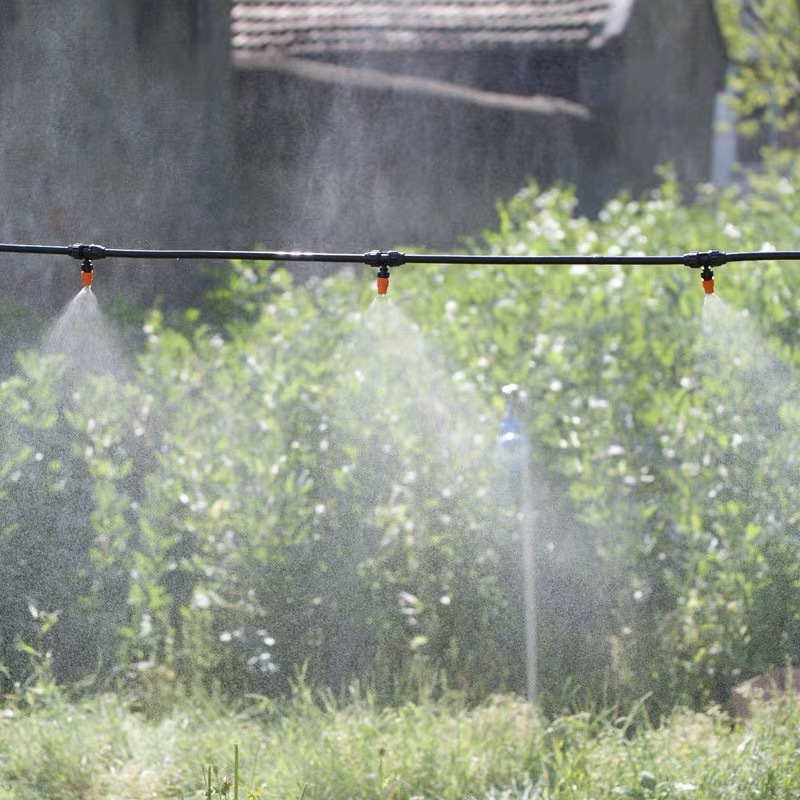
[{"x": 313, "y": 484}]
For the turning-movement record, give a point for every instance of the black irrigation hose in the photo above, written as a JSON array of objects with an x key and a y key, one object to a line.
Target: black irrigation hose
[{"x": 392, "y": 258}]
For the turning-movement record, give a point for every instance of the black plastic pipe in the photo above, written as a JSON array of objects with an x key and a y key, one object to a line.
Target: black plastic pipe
[{"x": 393, "y": 258}]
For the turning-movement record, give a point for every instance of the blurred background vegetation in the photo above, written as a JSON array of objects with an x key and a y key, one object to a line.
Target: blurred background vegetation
[{"x": 293, "y": 481}]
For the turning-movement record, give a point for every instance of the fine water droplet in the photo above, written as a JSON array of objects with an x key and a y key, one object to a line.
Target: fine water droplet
[
  {"x": 84, "y": 340},
  {"x": 713, "y": 312},
  {"x": 379, "y": 304}
]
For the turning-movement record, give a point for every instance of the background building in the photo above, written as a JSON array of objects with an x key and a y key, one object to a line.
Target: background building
[{"x": 329, "y": 124}]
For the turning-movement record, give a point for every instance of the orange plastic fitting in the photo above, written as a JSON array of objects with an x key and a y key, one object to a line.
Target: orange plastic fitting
[
  {"x": 86, "y": 278},
  {"x": 382, "y": 285},
  {"x": 708, "y": 286}
]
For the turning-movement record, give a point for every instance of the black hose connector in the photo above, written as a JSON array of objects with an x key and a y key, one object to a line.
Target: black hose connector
[
  {"x": 380, "y": 259},
  {"x": 86, "y": 252},
  {"x": 700, "y": 260}
]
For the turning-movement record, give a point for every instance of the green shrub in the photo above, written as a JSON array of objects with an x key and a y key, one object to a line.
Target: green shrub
[{"x": 313, "y": 485}]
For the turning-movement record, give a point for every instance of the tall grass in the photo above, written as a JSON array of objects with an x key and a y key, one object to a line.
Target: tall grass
[{"x": 315, "y": 747}]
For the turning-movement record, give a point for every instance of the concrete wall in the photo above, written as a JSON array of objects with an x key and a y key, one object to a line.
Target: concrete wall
[
  {"x": 116, "y": 126},
  {"x": 335, "y": 166},
  {"x": 353, "y": 168},
  {"x": 669, "y": 117}
]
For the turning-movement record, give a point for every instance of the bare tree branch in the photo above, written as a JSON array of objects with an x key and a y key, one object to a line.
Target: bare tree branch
[{"x": 377, "y": 79}]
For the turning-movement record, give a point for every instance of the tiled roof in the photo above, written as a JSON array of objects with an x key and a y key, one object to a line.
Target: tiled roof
[{"x": 302, "y": 28}]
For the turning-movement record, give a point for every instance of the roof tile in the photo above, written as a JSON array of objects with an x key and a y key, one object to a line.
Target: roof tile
[{"x": 302, "y": 28}]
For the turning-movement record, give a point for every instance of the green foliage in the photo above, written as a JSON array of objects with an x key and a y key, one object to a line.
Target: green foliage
[
  {"x": 760, "y": 36},
  {"x": 307, "y": 510},
  {"x": 314, "y": 486},
  {"x": 675, "y": 441},
  {"x": 312, "y": 746}
]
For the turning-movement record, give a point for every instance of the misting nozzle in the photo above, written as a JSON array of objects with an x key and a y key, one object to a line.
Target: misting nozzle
[
  {"x": 382, "y": 281},
  {"x": 87, "y": 273},
  {"x": 382, "y": 261},
  {"x": 707, "y": 279}
]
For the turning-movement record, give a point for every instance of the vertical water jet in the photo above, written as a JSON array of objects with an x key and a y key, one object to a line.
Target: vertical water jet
[{"x": 514, "y": 450}]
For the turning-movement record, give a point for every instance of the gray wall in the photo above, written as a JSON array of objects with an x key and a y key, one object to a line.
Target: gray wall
[
  {"x": 116, "y": 126},
  {"x": 335, "y": 166},
  {"x": 672, "y": 65},
  {"x": 338, "y": 166}
]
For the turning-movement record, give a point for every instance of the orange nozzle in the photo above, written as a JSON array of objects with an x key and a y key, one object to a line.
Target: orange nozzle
[
  {"x": 86, "y": 278},
  {"x": 708, "y": 286},
  {"x": 382, "y": 285}
]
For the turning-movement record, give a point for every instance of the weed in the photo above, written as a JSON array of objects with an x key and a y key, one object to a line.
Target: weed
[{"x": 314, "y": 747}]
